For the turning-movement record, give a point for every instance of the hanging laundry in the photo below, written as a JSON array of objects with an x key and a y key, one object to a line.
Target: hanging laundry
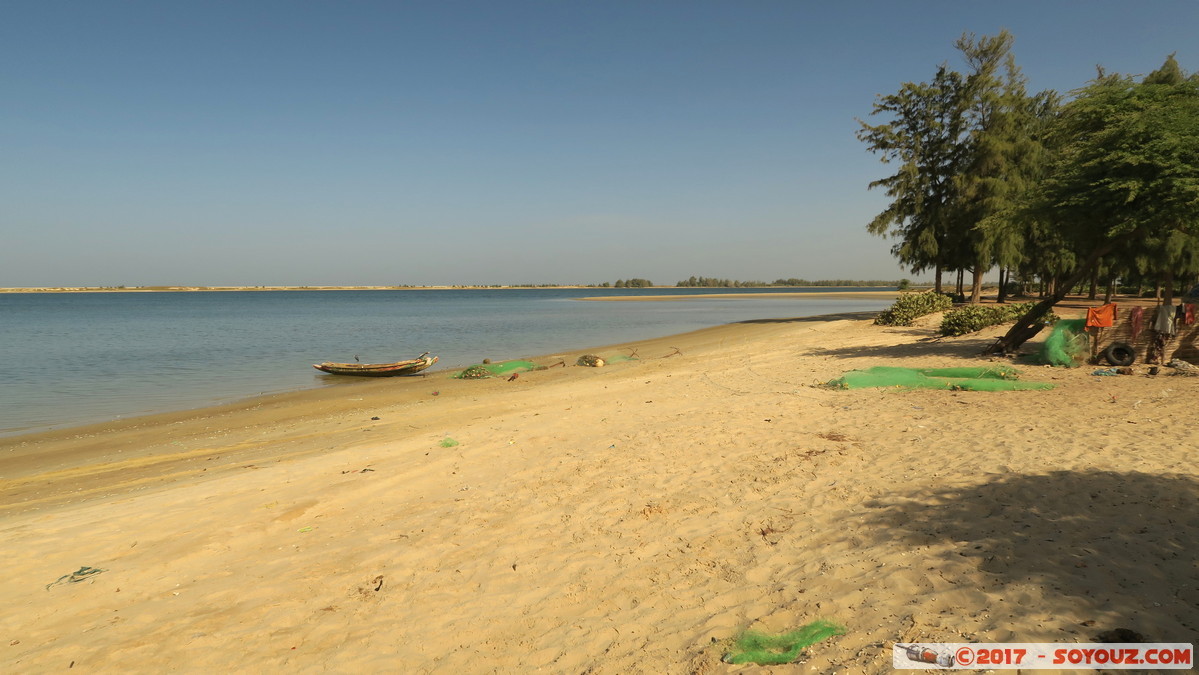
[
  {"x": 1189, "y": 317},
  {"x": 1157, "y": 348},
  {"x": 1101, "y": 317},
  {"x": 1163, "y": 323},
  {"x": 1137, "y": 317}
]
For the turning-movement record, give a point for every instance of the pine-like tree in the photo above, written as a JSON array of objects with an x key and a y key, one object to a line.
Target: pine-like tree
[
  {"x": 924, "y": 138},
  {"x": 1003, "y": 154}
]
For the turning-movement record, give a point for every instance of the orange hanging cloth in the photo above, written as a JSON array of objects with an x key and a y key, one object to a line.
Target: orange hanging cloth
[{"x": 1101, "y": 317}]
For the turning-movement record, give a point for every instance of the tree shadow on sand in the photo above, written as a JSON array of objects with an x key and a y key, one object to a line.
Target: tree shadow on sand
[
  {"x": 922, "y": 345},
  {"x": 1119, "y": 547},
  {"x": 917, "y": 341}
]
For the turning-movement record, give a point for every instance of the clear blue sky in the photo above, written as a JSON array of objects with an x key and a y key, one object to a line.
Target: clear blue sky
[{"x": 361, "y": 143}]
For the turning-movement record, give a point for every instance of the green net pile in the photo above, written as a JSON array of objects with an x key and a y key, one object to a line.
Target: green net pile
[
  {"x": 994, "y": 378},
  {"x": 481, "y": 370},
  {"x": 763, "y": 649},
  {"x": 1068, "y": 344}
]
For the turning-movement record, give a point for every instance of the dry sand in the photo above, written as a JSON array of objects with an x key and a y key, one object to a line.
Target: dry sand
[{"x": 624, "y": 519}]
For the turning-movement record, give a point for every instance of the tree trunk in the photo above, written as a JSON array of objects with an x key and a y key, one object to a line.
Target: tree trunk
[
  {"x": 1003, "y": 278},
  {"x": 1168, "y": 298},
  {"x": 961, "y": 282},
  {"x": 937, "y": 280},
  {"x": 1029, "y": 324},
  {"x": 1094, "y": 292},
  {"x": 1111, "y": 291},
  {"x": 976, "y": 285}
]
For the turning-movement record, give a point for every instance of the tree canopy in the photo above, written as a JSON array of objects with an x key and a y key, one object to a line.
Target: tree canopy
[
  {"x": 967, "y": 145},
  {"x": 923, "y": 139},
  {"x": 988, "y": 174},
  {"x": 1125, "y": 182}
]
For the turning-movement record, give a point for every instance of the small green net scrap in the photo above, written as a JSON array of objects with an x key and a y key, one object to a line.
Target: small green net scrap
[
  {"x": 1067, "y": 345},
  {"x": 992, "y": 378},
  {"x": 765, "y": 650},
  {"x": 75, "y": 577},
  {"x": 482, "y": 370}
]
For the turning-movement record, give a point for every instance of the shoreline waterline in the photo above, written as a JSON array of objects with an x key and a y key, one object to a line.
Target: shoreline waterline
[
  {"x": 113, "y": 356},
  {"x": 335, "y": 385},
  {"x": 160, "y": 449}
]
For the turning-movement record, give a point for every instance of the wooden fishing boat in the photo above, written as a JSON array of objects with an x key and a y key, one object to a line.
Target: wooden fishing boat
[{"x": 409, "y": 367}]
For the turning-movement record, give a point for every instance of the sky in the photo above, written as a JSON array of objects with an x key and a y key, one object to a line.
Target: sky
[{"x": 293, "y": 142}]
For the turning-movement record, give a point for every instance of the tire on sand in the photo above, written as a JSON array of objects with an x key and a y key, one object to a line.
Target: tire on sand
[{"x": 1119, "y": 354}]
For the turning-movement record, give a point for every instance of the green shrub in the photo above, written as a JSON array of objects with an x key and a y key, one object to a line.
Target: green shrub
[
  {"x": 972, "y": 318},
  {"x": 911, "y": 306}
]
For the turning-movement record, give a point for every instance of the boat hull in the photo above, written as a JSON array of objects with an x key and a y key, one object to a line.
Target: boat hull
[{"x": 410, "y": 367}]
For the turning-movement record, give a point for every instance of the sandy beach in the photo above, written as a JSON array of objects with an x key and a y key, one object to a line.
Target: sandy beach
[
  {"x": 828, "y": 295},
  {"x": 624, "y": 519}
]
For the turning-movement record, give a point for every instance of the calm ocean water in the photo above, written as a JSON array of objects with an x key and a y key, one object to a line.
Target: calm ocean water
[{"x": 75, "y": 358}]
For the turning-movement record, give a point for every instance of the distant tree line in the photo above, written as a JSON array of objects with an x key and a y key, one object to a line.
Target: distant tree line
[
  {"x": 712, "y": 282},
  {"x": 1056, "y": 192}
]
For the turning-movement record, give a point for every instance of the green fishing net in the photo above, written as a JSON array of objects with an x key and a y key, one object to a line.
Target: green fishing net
[
  {"x": 481, "y": 370},
  {"x": 988, "y": 372},
  {"x": 992, "y": 378},
  {"x": 764, "y": 650},
  {"x": 1067, "y": 345}
]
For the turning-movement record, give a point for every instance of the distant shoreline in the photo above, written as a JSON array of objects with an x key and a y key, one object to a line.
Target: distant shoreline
[{"x": 224, "y": 289}]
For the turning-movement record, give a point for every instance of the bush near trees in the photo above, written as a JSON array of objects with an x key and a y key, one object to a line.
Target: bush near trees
[
  {"x": 973, "y": 318},
  {"x": 911, "y": 306}
]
